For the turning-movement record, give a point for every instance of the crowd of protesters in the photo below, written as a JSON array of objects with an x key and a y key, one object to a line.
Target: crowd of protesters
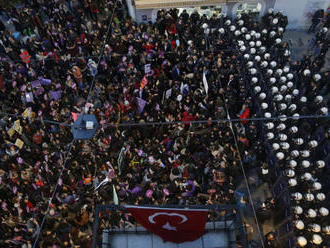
[{"x": 181, "y": 69}]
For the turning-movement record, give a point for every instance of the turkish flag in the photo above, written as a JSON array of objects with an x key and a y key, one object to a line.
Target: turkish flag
[{"x": 174, "y": 225}]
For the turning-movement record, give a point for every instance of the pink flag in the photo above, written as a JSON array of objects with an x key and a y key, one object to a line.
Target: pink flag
[{"x": 74, "y": 116}]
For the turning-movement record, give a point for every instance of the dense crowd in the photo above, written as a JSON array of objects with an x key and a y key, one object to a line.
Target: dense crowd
[{"x": 181, "y": 69}]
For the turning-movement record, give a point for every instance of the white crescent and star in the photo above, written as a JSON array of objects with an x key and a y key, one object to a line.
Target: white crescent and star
[{"x": 167, "y": 226}]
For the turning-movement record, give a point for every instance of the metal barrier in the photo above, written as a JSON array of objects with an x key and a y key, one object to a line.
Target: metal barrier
[{"x": 115, "y": 218}]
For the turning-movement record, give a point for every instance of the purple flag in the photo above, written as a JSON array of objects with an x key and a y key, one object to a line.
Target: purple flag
[
  {"x": 29, "y": 97},
  {"x": 55, "y": 95},
  {"x": 39, "y": 91},
  {"x": 140, "y": 104},
  {"x": 35, "y": 84},
  {"x": 44, "y": 81}
]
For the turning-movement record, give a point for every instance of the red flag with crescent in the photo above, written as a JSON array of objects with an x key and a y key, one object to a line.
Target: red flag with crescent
[{"x": 173, "y": 225}]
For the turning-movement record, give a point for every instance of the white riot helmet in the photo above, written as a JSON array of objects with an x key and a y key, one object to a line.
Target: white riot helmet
[
  {"x": 324, "y": 110},
  {"x": 278, "y": 98},
  {"x": 305, "y": 164},
  {"x": 258, "y": 43},
  {"x": 283, "y": 79},
  {"x": 270, "y": 136},
  {"x": 257, "y": 35},
  {"x": 240, "y": 22},
  {"x": 221, "y": 30},
  {"x": 253, "y": 33},
  {"x": 317, "y": 239},
  {"x": 295, "y": 116},
  {"x": 297, "y": 209},
  {"x": 286, "y": 69},
  {"x": 285, "y": 145},
  {"x": 314, "y": 228},
  {"x": 267, "y": 56},
  {"x": 274, "y": 90},
  {"x": 276, "y": 146},
  {"x": 249, "y": 64},
  {"x": 264, "y": 105},
  {"x": 275, "y": 21},
  {"x": 287, "y": 53},
  {"x": 243, "y": 30},
  {"x": 253, "y": 50},
  {"x": 257, "y": 89},
  {"x": 298, "y": 141},
  {"x": 262, "y": 95},
  {"x": 268, "y": 115},
  {"x": 309, "y": 197},
  {"x": 228, "y": 22},
  {"x": 295, "y": 92},
  {"x": 282, "y": 106},
  {"x": 281, "y": 126},
  {"x": 320, "y": 196},
  {"x": 313, "y": 143},
  {"x": 289, "y": 84},
  {"x": 237, "y": 33},
  {"x": 293, "y": 129},
  {"x": 270, "y": 125},
  {"x": 317, "y": 186},
  {"x": 301, "y": 241},
  {"x": 283, "y": 137},
  {"x": 272, "y": 34},
  {"x": 283, "y": 88},
  {"x": 307, "y": 176},
  {"x": 254, "y": 80},
  {"x": 252, "y": 43},
  {"x": 299, "y": 224},
  {"x": 246, "y": 56},
  {"x": 264, "y": 31},
  {"x": 273, "y": 64},
  {"x": 303, "y": 99},
  {"x": 269, "y": 72},
  {"x": 324, "y": 30},
  {"x": 324, "y": 211},
  {"x": 232, "y": 28},
  {"x": 297, "y": 197},
  {"x": 279, "y": 72},
  {"x": 262, "y": 49},
  {"x": 288, "y": 98},
  {"x": 280, "y": 29},
  {"x": 292, "y": 182},
  {"x": 317, "y": 77},
  {"x": 294, "y": 154},
  {"x": 290, "y": 173},
  {"x": 280, "y": 155},
  {"x": 257, "y": 58},
  {"x": 204, "y": 26},
  {"x": 264, "y": 64},
  {"x": 242, "y": 48},
  {"x": 283, "y": 117},
  {"x": 305, "y": 153},
  {"x": 311, "y": 213},
  {"x": 278, "y": 41},
  {"x": 319, "y": 99},
  {"x": 320, "y": 164},
  {"x": 289, "y": 76},
  {"x": 248, "y": 37},
  {"x": 293, "y": 107},
  {"x": 272, "y": 80},
  {"x": 292, "y": 164},
  {"x": 307, "y": 72},
  {"x": 253, "y": 71}
]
